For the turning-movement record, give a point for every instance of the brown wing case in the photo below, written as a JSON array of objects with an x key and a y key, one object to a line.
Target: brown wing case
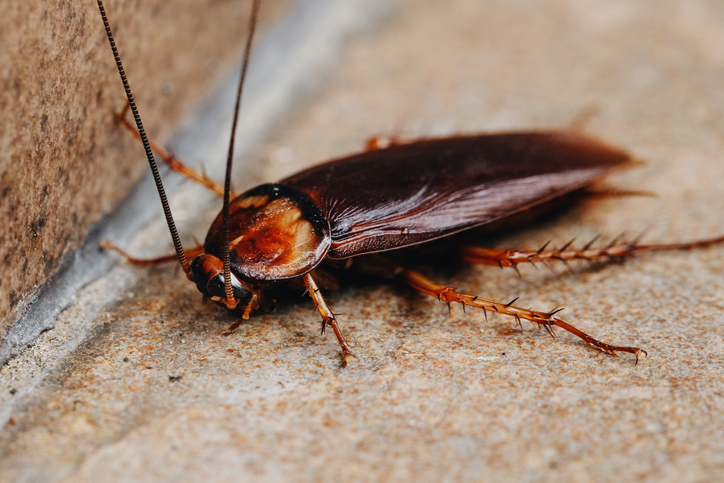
[{"x": 412, "y": 193}]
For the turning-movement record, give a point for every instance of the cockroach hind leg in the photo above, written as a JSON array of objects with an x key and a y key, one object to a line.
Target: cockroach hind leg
[
  {"x": 347, "y": 357},
  {"x": 545, "y": 319},
  {"x": 328, "y": 318},
  {"x": 564, "y": 247},
  {"x": 554, "y": 311},
  {"x": 617, "y": 251}
]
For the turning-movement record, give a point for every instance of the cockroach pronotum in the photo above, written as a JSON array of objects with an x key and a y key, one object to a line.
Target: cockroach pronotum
[{"x": 389, "y": 198}]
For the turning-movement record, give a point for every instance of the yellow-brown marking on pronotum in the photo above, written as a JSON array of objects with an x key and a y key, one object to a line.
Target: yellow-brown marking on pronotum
[
  {"x": 271, "y": 238},
  {"x": 255, "y": 201}
]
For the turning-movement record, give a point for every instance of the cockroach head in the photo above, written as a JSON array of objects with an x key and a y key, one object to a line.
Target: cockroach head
[
  {"x": 276, "y": 233},
  {"x": 208, "y": 274}
]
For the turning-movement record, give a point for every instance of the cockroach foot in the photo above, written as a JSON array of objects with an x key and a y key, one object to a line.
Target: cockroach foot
[{"x": 328, "y": 318}]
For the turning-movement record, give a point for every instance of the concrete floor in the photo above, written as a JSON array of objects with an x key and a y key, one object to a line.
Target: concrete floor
[{"x": 135, "y": 381}]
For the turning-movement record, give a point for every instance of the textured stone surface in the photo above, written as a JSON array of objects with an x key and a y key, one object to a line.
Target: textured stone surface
[
  {"x": 153, "y": 392},
  {"x": 63, "y": 161}
]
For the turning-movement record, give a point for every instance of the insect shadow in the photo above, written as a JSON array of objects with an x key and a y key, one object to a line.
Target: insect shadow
[{"x": 350, "y": 213}]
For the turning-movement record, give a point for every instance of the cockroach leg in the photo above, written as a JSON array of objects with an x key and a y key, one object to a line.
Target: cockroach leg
[
  {"x": 381, "y": 142},
  {"x": 170, "y": 160},
  {"x": 545, "y": 319},
  {"x": 616, "y": 250},
  {"x": 328, "y": 318},
  {"x": 145, "y": 262},
  {"x": 252, "y": 305},
  {"x": 232, "y": 328}
]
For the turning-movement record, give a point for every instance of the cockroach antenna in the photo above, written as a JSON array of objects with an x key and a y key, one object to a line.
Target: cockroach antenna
[
  {"x": 147, "y": 147},
  {"x": 230, "y": 300}
]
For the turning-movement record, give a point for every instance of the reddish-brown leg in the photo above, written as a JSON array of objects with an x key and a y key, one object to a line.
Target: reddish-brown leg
[
  {"x": 616, "y": 250},
  {"x": 144, "y": 262},
  {"x": 230, "y": 330},
  {"x": 545, "y": 319},
  {"x": 385, "y": 141},
  {"x": 251, "y": 306},
  {"x": 328, "y": 318},
  {"x": 171, "y": 161}
]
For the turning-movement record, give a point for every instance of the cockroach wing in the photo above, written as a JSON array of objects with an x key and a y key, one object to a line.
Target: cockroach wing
[{"x": 412, "y": 193}]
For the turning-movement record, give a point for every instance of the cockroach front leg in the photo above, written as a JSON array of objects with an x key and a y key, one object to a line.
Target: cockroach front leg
[
  {"x": 170, "y": 160},
  {"x": 545, "y": 319},
  {"x": 328, "y": 318}
]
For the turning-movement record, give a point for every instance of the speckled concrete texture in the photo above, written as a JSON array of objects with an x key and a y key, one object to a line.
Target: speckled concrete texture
[{"x": 154, "y": 392}]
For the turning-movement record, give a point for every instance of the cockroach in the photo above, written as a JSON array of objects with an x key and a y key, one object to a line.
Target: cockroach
[{"x": 388, "y": 198}]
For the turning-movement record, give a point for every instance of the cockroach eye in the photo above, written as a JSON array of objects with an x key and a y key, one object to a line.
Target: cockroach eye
[
  {"x": 208, "y": 273},
  {"x": 215, "y": 288}
]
